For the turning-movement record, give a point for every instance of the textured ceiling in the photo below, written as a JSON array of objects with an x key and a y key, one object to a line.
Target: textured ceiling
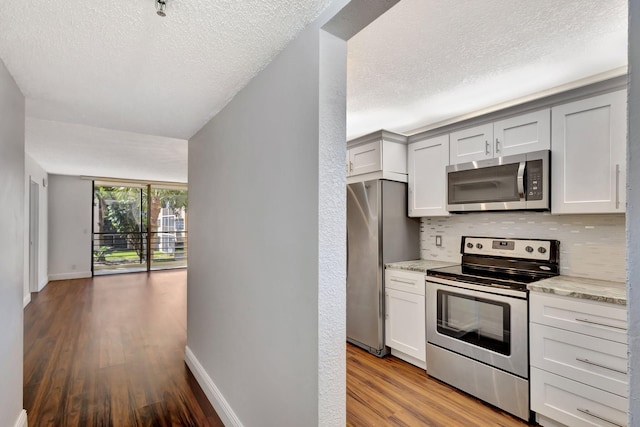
[
  {"x": 426, "y": 61},
  {"x": 117, "y": 65},
  {"x": 68, "y": 149}
]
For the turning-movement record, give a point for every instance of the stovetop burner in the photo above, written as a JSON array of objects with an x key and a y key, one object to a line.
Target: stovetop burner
[{"x": 503, "y": 263}]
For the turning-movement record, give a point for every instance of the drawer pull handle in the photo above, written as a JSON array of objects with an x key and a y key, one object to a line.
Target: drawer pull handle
[
  {"x": 591, "y": 322},
  {"x": 589, "y": 362},
  {"x": 408, "y": 282},
  {"x": 600, "y": 417}
]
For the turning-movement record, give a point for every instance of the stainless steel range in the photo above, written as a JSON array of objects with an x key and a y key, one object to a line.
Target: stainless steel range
[{"x": 477, "y": 318}]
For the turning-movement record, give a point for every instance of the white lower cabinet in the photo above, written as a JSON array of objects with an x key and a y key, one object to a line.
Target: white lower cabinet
[
  {"x": 578, "y": 362},
  {"x": 405, "y": 315}
]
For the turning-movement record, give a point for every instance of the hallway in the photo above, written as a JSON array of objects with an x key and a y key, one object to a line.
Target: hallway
[{"x": 109, "y": 351}]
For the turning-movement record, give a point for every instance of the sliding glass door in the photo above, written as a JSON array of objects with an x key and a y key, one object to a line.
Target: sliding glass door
[{"x": 138, "y": 228}]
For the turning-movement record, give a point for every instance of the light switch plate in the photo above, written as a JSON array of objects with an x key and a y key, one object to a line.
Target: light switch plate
[{"x": 438, "y": 240}]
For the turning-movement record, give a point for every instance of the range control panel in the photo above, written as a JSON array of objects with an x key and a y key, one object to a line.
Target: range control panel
[{"x": 508, "y": 248}]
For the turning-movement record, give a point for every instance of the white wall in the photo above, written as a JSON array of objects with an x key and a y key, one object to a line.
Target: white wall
[
  {"x": 70, "y": 205},
  {"x": 633, "y": 214},
  {"x": 590, "y": 245},
  {"x": 12, "y": 248},
  {"x": 34, "y": 172},
  {"x": 258, "y": 221}
]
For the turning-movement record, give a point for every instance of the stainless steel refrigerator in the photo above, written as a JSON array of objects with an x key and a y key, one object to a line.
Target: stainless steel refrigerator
[{"x": 378, "y": 231}]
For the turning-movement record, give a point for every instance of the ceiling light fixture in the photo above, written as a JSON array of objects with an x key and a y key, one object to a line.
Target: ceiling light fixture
[{"x": 161, "y": 7}]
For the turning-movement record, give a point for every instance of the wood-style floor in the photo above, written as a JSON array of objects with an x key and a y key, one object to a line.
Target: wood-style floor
[
  {"x": 109, "y": 351},
  {"x": 391, "y": 392}
]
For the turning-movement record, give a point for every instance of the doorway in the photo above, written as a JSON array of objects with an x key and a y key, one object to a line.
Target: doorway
[
  {"x": 138, "y": 227},
  {"x": 34, "y": 245}
]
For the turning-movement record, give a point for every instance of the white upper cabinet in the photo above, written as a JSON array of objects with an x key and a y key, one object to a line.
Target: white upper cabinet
[
  {"x": 588, "y": 155},
  {"x": 516, "y": 135},
  {"x": 427, "y": 161},
  {"x": 523, "y": 134},
  {"x": 380, "y": 155},
  {"x": 365, "y": 158},
  {"x": 471, "y": 144}
]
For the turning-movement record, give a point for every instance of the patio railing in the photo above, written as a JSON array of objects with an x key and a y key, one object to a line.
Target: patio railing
[{"x": 114, "y": 252}]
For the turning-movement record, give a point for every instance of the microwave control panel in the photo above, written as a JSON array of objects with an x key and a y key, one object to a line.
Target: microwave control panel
[{"x": 534, "y": 180}]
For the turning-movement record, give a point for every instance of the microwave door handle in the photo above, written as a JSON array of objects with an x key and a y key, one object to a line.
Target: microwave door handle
[{"x": 521, "y": 169}]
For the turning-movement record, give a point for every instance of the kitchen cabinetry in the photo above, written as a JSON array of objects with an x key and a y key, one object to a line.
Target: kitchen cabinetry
[
  {"x": 427, "y": 161},
  {"x": 405, "y": 329},
  {"x": 380, "y": 155},
  {"x": 515, "y": 135},
  {"x": 588, "y": 140},
  {"x": 578, "y": 361}
]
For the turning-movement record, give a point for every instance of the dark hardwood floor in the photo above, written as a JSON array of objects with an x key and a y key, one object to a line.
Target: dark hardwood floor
[
  {"x": 391, "y": 392},
  {"x": 109, "y": 351}
]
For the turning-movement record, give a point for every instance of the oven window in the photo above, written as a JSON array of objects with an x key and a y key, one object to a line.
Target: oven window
[
  {"x": 484, "y": 185},
  {"x": 478, "y": 321}
]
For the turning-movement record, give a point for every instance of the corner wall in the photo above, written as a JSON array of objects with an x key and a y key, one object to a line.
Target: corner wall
[
  {"x": 264, "y": 182},
  {"x": 69, "y": 225},
  {"x": 12, "y": 113},
  {"x": 633, "y": 213}
]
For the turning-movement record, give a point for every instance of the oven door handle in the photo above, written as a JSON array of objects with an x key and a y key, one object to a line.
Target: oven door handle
[{"x": 521, "y": 170}]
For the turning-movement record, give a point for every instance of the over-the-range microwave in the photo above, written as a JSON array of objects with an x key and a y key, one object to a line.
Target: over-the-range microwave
[{"x": 515, "y": 182}]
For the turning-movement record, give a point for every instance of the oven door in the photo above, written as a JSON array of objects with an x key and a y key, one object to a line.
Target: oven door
[{"x": 484, "y": 326}]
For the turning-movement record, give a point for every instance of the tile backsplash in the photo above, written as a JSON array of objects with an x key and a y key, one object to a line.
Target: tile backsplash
[{"x": 590, "y": 245}]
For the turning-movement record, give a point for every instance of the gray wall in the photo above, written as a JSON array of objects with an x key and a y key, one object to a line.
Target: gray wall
[
  {"x": 12, "y": 248},
  {"x": 70, "y": 205},
  {"x": 255, "y": 281},
  {"x": 633, "y": 214}
]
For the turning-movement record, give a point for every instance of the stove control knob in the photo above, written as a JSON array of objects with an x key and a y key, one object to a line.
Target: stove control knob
[
  {"x": 479, "y": 245},
  {"x": 470, "y": 245},
  {"x": 542, "y": 250},
  {"x": 528, "y": 249}
]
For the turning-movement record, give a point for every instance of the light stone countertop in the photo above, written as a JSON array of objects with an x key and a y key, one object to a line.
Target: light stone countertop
[
  {"x": 419, "y": 265},
  {"x": 580, "y": 287}
]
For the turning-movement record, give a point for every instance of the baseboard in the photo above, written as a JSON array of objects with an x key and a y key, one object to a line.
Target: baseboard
[
  {"x": 22, "y": 419},
  {"x": 26, "y": 300},
  {"x": 408, "y": 358},
  {"x": 42, "y": 284},
  {"x": 220, "y": 404},
  {"x": 67, "y": 276}
]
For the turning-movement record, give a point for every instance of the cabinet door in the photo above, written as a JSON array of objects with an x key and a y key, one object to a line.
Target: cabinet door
[
  {"x": 428, "y": 160},
  {"x": 523, "y": 134},
  {"x": 405, "y": 323},
  {"x": 471, "y": 144},
  {"x": 365, "y": 158},
  {"x": 588, "y": 143}
]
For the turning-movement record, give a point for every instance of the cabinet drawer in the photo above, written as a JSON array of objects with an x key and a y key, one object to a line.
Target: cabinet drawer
[
  {"x": 573, "y": 403},
  {"x": 597, "y": 319},
  {"x": 593, "y": 361},
  {"x": 407, "y": 281}
]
